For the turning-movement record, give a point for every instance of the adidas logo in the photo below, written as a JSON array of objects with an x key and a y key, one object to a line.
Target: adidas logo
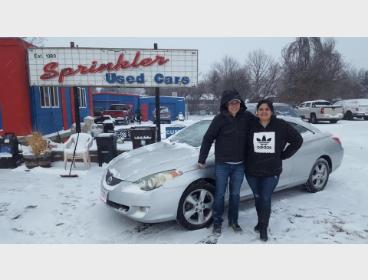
[{"x": 264, "y": 141}]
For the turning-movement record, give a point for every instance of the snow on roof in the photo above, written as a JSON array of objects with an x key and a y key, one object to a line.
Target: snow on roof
[{"x": 318, "y": 100}]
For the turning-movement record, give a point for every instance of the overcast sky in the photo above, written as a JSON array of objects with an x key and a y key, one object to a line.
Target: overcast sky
[{"x": 354, "y": 50}]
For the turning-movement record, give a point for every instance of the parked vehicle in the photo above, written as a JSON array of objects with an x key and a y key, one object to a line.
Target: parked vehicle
[
  {"x": 165, "y": 116},
  {"x": 281, "y": 109},
  {"x": 354, "y": 108},
  {"x": 320, "y": 110},
  {"x": 162, "y": 182},
  {"x": 121, "y": 111}
]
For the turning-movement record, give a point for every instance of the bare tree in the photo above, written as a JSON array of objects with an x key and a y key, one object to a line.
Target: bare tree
[
  {"x": 263, "y": 72},
  {"x": 312, "y": 69},
  {"x": 228, "y": 74}
]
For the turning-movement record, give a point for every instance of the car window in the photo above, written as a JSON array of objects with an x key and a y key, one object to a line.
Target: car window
[
  {"x": 302, "y": 105},
  {"x": 164, "y": 110},
  {"x": 193, "y": 134},
  {"x": 285, "y": 110},
  {"x": 251, "y": 108},
  {"x": 301, "y": 129},
  {"x": 308, "y": 104},
  {"x": 321, "y": 103}
]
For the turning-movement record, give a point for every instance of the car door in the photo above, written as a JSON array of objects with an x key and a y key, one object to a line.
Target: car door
[
  {"x": 301, "y": 110},
  {"x": 302, "y": 161}
]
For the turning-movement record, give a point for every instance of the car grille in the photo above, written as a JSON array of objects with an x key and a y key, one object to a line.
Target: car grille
[{"x": 117, "y": 205}]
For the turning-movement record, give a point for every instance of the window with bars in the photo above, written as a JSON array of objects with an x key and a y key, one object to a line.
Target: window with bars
[
  {"x": 49, "y": 97},
  {"x": 82, "y": 97}
]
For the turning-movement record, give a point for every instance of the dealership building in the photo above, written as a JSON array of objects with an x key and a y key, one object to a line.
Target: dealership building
[
  {"x": 37, "y": 84},
  {"x": 25, "y": 108}
]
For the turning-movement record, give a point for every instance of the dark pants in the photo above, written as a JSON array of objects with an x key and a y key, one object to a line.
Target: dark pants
[
  {"x": 262, "y": 188},
  {"x": 234, "y": 174}
]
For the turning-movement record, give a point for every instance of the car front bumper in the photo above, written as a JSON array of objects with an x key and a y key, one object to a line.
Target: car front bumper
[{"x": 128, "y": 199}]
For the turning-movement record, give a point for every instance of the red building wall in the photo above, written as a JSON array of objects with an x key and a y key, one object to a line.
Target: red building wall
[{"x": 14, "y": 86}]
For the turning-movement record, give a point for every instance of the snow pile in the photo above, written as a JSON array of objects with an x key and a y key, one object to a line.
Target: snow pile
[{"x": 39, "y": 206}]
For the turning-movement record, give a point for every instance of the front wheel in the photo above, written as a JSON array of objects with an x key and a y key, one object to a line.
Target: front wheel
[
  {"x": 349, "y": 115},
  {"x": 318, "y": 177},
  {"x": 195, "y": 206},
  {"x": 333, "y": 121}
]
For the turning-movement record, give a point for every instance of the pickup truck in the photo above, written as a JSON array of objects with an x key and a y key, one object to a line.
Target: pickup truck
[
  {"x": 124, "y": 111},
  {"x": 320, "y": 110},
  {"x": 354, "y": 108}
]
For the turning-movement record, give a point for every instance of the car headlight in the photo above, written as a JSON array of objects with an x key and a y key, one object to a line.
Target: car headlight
[
  {"x": 156, "y": 180},
  {"x": 110, "y": 179}
]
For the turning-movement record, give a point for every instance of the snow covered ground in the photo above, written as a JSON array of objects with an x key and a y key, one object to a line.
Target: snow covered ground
[{"x": 39, "y": 206}]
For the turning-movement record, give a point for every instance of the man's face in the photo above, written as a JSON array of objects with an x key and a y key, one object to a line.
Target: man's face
[{"x": 233, "y": 107}]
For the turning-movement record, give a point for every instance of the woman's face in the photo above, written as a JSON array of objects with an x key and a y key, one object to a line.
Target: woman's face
[
  {"x": 234, "y": 107},
  {"x": 264, "y": 112}
]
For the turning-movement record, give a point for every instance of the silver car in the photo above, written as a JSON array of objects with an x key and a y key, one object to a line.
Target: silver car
[{"x": 162, "y": 182}]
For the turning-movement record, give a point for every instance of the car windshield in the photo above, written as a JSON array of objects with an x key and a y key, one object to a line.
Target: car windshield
[
  {"x": 193, "y": 134},
  {"x": 285, "y": 110}
]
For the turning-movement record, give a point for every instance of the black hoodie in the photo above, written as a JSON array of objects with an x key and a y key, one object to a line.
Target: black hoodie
[
  {"x": 228, "y": 131},
  {"x": 266, "y": 146}
]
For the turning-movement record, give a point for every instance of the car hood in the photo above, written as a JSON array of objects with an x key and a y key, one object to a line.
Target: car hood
[{"x": 134, "y": 165}]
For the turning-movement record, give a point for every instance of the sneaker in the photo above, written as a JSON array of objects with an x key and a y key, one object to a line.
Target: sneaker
[
  {"x": 216, "y": 229},
  {"x": 236, "y": 227}
]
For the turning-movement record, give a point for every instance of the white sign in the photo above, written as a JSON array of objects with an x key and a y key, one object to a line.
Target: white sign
[
  {"x": 113, "y": 67},
  {"x": 264, "y": 142}
]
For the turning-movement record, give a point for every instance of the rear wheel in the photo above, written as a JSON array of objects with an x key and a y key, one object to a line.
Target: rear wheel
[
  {"x": 366, "y": 118},
  {"x": 319, "y": 176},
  {"x": 195, "y": 206},
  {"x": 349, "y": 115},
  {"x": 313, "y": 118},
  {"x": 333, "y": 121}
]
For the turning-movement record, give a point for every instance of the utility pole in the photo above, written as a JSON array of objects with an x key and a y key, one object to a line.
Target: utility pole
[
  {"x": 76, "y": 103},
  {"x": 157, "y": 101}
]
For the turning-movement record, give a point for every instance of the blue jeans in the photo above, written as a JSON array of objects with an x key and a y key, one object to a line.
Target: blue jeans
[
  {"x": 234, "y": 174},
  {"x": 262, "y": 188}
]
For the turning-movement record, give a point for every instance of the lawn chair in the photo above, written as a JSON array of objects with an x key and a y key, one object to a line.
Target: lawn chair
[{"x": 85, "y": 142}]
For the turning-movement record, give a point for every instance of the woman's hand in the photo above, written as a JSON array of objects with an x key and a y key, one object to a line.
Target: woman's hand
[{"x": 201, "y": 165}]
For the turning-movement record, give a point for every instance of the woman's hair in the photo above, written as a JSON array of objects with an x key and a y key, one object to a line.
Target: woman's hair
[{"x": 265, "y": 101}]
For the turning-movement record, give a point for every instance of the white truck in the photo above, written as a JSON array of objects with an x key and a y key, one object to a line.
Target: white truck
[
  {"x": 320, "y": 110},
  {"x": 354, "y": 108}
]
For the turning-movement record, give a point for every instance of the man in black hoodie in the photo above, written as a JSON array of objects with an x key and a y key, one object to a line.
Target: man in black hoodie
[{"x": 229, "y": 129}]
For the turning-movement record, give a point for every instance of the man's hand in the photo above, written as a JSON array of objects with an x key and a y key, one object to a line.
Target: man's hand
[{"x": 201, "y": 165}]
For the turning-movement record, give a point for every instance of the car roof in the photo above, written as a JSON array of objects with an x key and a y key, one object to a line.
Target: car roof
[
  {"x": 274, "y": 103},
  {"x": 354, "y": 99},
  {"x": 299, "y": 121},
  {"x": 318, "y": 100}
]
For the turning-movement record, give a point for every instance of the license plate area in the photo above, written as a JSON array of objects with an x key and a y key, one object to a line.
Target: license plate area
[{"x": 103, "y": 195}]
